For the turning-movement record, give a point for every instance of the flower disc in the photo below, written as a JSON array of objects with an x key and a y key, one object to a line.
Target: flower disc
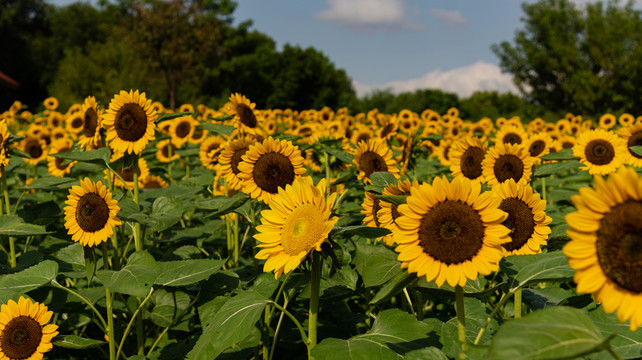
[
  {"x": 601, "y": 151},
  {"x": 129, "y": 122},
  {"x": 24, "y": 333},
  {"x": 506, "y": 161}
]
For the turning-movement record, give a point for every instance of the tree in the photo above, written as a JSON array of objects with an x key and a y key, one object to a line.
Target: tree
[{"x": 579, "y": 59}]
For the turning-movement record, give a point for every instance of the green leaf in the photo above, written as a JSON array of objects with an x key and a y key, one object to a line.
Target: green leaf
[
  {"x": 636, "y": 149},
  {"x": 97, "y": 156},
  {"x": 28, "y": 279},
  {"x": 393, "y": 199},
  {"x": 550, "y": 169},
  {"x": 218, "y": 128},
  {"x": 76, "y": 342},
  {"x": 90, "y": 262},
  {"x": 71, "y": 260},
  {"x": 627, "y": 343},
  {"x": 565, "y": 154},
  {"x": 171, "y": 116},
  {"x": 393, "y": 334},
  {"x": 433, "y": 137},
  {"x": 136, "y": 278},
  {"x": 360, "y": 230},
  {"x": 339, "y": 154},
  {"x": 376, "y": 263},
  {"x": 528, "y": 269},
  {"x": 13, "y": 225},
  {"x": 221, "y": 118},
  {"x": 167, "y": 305},
  {"x": 166, "y": 211},
  {"x": 220, "y": 205},
  {"x": 52, "y": 183},
  {"x": 383, "y": 178},
  {"x": 557, "y": 332},
  {"x": 393, "y": 287},
  {"x": 475, "y": 314},
  {"x": 186, "y": 272},
  {"x": 229, "y": 325},
  {"x": 431, "y": 353}
]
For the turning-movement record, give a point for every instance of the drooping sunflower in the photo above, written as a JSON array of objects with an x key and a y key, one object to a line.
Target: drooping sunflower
[
  {"x": 90, "y": 216},
  {"x": 527, "y": 221},
  {"x": 163, "y": 153},
  {"x": 605, "y": 244},
  {"x": 450, "y": 231},
  {"x": 511, "y": 134},
  {"x": 24, "y": 332},
  {"x": 466, "y": 156},
  {"x": 129, "y": 122},
  {"x": 372, "y": 156},
  {"x": 389, "y": 212},
  {"x": 182, "y": 129},
  {"x": 36, "y": 148},
  {"x": 506, "y": 161},
  {"x": 92, "y": 122},
  {"x": 389, "y": 128},
  {"x": 297, "y": 223},
  {"x": 268, "y": 166},
  {"x": 632, "y": 136},
  {"x": 54, "y": 164},
  {"x": 246, "y": 119},
  {"x": 210, "y": 152},
  {"x": 229, "y": 159},
  {"x": 601, "y": 151}
]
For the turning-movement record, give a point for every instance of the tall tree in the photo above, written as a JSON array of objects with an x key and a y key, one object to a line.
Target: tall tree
[{"x": 583, "y": 59}]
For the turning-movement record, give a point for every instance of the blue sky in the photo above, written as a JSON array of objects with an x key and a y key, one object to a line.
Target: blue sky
[{"x": 403, "y": 45}]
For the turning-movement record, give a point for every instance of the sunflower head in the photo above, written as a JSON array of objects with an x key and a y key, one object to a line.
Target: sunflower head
[
  {"x": 297, "y": 223},
  {"x": 601, "y": 151},
  {"x": 229, "y": 159},
  {"x": 91, "y": 123},
  {"x": 90, "y": 214},
  {"x": 246, "y": 119},
  {"x": 466, "y": 156},
  {"x": 24, "y": 332},
  {"x": 506, "y": 161},
  {"x": 450, "y": 231},
  {"x": 606, "y": 243},
  {"x": 129, "y": 122},
  {"x": 632, "y": 136},
  {"x": 51, "y": 103},
  {"x": 372, "y": 156},
  {"x": 57, "y": 166}
]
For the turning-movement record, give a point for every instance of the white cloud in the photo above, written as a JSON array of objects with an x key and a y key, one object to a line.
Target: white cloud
[
  {"x": 368, "y": 14},
  {"x": 463, "y": 81},
  {"x": 450, "y": 18}
]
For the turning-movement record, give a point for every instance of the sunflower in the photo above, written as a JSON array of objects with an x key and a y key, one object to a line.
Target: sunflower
[
  {"x": 297, "y": 223},
  {"x": 443, "y": 151},
  {"x": 91, "y": 117},
  {"x": 370, "y": 209},
  {"x": 506, "y": 161},
  {"x": 24, "y": 332},
  {"x": 246, "y": 118},
  {"x": 511, "y": 134},
  {"x": 198, "y": 135},
  {"x": 55, "y": 119},
  {"x": 4, "y": 136},
  {"x": 51, "y": 103},
  {"x": 36, "y": 148},
  {"x": 162, "y": 154},
  {"x": 388, "y": 212},
  {"x": 268, "y": 166},
  {"x": 601, "y": 151},
  {"x": 74, "y": 124},
  {"x": 526, "y": 220},
  {"x": 361, "y": 133},
  {"x": 129, "y": 122},
  {"x": 389, "y": 128},
  {"x": 607, "y": 121},
  {"x": 153, "y": 182},
  {"x": 450, "y": 231},
  {"x": 372, "y": 156},
  {"x": 128, "y": 173},
  {"x": 632, "y": 136},
  {"x": 90, "y": 215},
  {"x": 54, "y": 164},
  {"x": 210, "y": 152},
  {"x": 626, "y": 119},
  {"x": 566, "y": 141},
  {"x": 229, "y": 159},
  {"x": 466, "y": 157},
  {"x": 605, "y": 243},
  {"x": 182, "y": 129},
  {"x": 539, "y": 145}
]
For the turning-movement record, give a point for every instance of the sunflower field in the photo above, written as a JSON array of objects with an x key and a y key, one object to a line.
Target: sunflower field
[{"x": 131, "y": 231}]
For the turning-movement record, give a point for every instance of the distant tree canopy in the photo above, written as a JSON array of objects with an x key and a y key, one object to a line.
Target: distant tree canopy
[{"x": 584, "y": 59}]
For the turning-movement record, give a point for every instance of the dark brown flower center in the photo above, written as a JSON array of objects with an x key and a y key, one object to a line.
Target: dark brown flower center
[
  {"x": 20, "y": 337},
  {"x": 363, "y": 136},
  {"x": 599, "y": 152},
  {"x": 451, "y": 232},
  {"x": 33, "y": 148},
  {"x": 512, "y": 138},
  {"x": 471, "y": 162},
  {"x": 634, "y": 140},
  {"x": 567, "y": 144},
  {"x": 371, "y": 162},
  {"x": 537, "y": 147},
  {"x": 152, "y": 184},
  {"x": 77, "y": 122},
  {"x": 376, "y": 205},
  {"x": 246, "y": 115},
  {"x": 165, "y": 150},
  {"x": 127, "y": 174},
  {"x": 182, "y": 129},
  {"x": 197, "y": 134},
  {"x": 520, "y": 221},
  {"x": 387, "y": 130},
  {"x": 59, "y": 161},
  {"x": 90, "y": 123},
  {"x": 92, "y": 212},
  {"x": 131, "y": 122},
  {"x": 507, "y": 167},
  {"x": 236, "y": 159},
  {"x": 273, "y": 171},
  {"x": 619, "y": 245}
]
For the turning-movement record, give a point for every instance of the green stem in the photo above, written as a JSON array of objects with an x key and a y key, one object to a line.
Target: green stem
[
  {"x": 461, "y": 319},
  {"x": 176, "y": 319},
  {"x": 170, "y": 163},
  {"x": 544, "y": 189},
  {"x": 315, "y": 284},
  {"x": 138, "y": 240},
  {"x": 12, "y": 244},
  {"x": 110, "y": 315},
  {"x": 615, "y": 355},
  {"x": 499, "y": 305},
  {"x": 327, "y": 173},
  {"x": 55, "y": 284},
  {"x": 296, "y": 322},
  {"x": 518, "y": 303},
  {"x": 131, "y": 322}
]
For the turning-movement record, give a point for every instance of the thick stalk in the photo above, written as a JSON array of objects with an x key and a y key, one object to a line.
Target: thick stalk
[
  {"x": 544, "y": 189},
  {"x": 138, "y": 240},
  {"x": 12, "y": 241},
  {"x": 170, "y": 163},
  {"x": 327, "y": 173},
  {"x": 315, "y": 284},
  {"x": 461, "y": 319},
  {"x": 110, "y": 315},
  {"x": 518, "y": 303}
]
